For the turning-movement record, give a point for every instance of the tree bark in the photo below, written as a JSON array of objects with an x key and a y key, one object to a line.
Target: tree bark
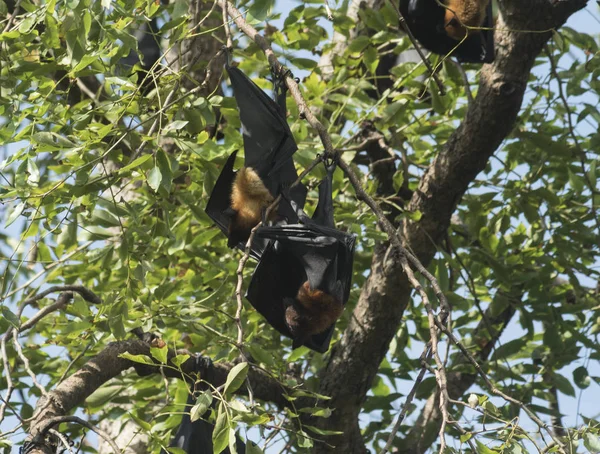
[{"x": 355, "y": 359}]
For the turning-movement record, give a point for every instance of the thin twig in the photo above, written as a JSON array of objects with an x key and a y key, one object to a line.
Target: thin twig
[
  {"x": 328, "y": 10},
  {"x": 25, "y": 362},
  {"x": 47, "y": 268},
  {"x": 580, "y": 151},
  {"x": 415, "y": 44},
  {"x": 60, "y": 419},
  {"x": 465, "y": 79},
  {"x": 228, "y": 40},
  {"x": 494, "y": 390},
  {"x": 62, "y": 439},
  {"x": 12, "y": 16},
  {"x": 425, "y": 357},
  {"x": 9, "y": 383}
]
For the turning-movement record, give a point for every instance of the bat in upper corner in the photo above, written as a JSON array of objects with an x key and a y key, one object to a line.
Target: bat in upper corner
[
  {"x": 239, "y": 199},
  {"x": 303, "y": 279},
  {"x": 441, "y": 25}
]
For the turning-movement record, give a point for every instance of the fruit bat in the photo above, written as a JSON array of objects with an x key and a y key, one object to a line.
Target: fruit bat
[
  {"x": 441, "y": 25},
  {"x": 303, "y": 278},
  {"x": 239, "y": 199}
]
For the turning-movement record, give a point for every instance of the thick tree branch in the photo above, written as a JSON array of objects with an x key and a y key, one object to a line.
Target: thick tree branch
[
  {"x": 73, "y": 391},
  {"x": 356, "y": 358}
]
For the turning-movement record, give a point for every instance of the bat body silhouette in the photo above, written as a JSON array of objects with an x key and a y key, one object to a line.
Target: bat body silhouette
[
  {"x": 303, "y": 279},
  {"x": 461, "y": 28},
  {"x": 239, "y": 199}
]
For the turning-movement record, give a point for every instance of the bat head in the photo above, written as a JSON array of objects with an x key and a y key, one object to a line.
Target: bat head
[{"x": 453, "y": 27}]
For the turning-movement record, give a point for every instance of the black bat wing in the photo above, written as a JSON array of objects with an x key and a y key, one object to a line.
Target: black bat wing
[
  {"x": 268, "y": 141},
  {"x": 323, "y": 214},
  {"x": 220, "y": 197},
  {"x": 278, "y": 276},
  {"x": 425, "y": 18}
]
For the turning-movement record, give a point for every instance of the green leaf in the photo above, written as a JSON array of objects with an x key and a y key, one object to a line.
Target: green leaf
[
  {"x": 235, "y": 378},
  {"x": 178, "y": 360},
  {"x": 220, "y": 435},
  {"x": 202, "y": 405},
  {"x": 358, "y": 44},
  {"x": 591, "y": 442},
  {"x": 232, "y": 442},
  {"x": 160, "y": 354},
  {"x": 483, "y": 449},
  {"x": 136, "y": 163},
  {"x": 50, "y": 36},
  {"x": 154, "y": 178},
  {"x": 142, "y": 359},
  {"x": 259, "y": 10},
  {"x": 15, "y": 213},
  {"x": 304, "y": 441},
  {"x": 175, "y": 125},
  {"x": 371, "y": 60},
  {"x": 581, "y": 377},
  {"x": 10, "y": 317}
]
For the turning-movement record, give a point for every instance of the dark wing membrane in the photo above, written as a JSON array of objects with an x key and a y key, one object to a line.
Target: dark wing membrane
[
  {"x": 323, "y": 255},
  {"x": 323, "y": 214},
  {"x": 278, "y": 276},
  {"x": 425, "y": 18},
  {"x": 220, "y": 197},
  {"x": 268, "y": 141}
]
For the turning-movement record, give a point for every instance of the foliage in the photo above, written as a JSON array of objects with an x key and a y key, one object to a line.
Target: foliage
[{"x": 89, "y": 196}]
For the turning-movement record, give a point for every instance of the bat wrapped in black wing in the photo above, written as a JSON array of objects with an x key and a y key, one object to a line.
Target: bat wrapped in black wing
[
  {"x": 460, "y": 28},
  {"x": 240, "y": 198},
  {"x": 303, "y": 279}
]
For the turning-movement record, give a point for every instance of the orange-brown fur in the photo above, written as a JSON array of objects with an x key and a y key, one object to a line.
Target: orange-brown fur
[
  {"x": 312, "y": 312},
  {"x": 463, "y": 14},
  {"x": 249, "y": 197}
]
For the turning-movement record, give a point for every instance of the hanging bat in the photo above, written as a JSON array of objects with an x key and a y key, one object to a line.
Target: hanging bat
[
  {"x": 464, "y": 16},
  {"x": 239, "y": 199},
  {"x": 462, "y": 28},
  {"x": 303, "y": 279}
]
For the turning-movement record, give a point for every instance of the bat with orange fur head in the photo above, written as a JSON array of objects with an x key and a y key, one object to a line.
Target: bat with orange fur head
[
  {"x": 303, "y": 279},
  {"x": 461, "y": 28},
  {"x": 239, "y": 199}
]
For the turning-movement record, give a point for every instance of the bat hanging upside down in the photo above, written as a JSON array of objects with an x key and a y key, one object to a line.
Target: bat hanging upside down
[
  {"x": 249, "y": 200},
  {"x": 311, "y": 312},
  {"x": 464, "y": 14}
]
